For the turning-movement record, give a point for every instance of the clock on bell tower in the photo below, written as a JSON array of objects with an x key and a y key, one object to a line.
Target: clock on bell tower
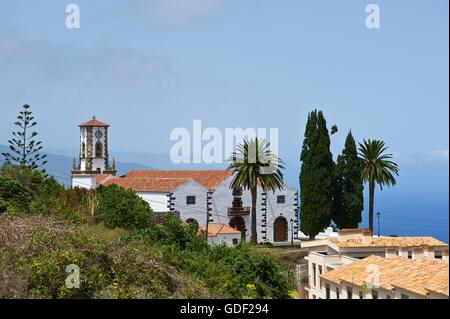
[{"x": 94, "y": 156}]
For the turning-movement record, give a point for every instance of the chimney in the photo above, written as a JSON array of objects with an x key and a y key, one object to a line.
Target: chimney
[
  {"x": 417, "y": 253},
  {"x": 366, "y": 236},
  {"x": 428, "y": 252},
  {"x": 390, "y": 253}
]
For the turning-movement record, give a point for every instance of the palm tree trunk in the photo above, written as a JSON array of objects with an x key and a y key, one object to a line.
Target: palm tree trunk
[
  {"x": 254, "y": 235},
  {"x": 371, "y": 200}
]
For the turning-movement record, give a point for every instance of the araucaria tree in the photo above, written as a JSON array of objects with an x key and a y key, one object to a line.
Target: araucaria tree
[
  {"x": 378, "y": 168},
  {"x": 316, "y": 177},
  {"x": 253, "y": 163},
  {"x": 348, "y": 197},
  {"x": 24, "y": 148}
]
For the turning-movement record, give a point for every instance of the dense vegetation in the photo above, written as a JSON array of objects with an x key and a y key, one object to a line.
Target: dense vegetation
[{"x": 122, "y": 252}]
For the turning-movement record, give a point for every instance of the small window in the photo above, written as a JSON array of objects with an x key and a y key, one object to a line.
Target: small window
[
  {"x": 349, "y": 293},
  {"x": 281, "y": 199},
  {"x": 361, "y": 295},
  {"x": 327, "y": 291},
  {"x": 98, "y": 149},
  {"x": 337, "y": 293},
  {"x": 374, "y": 294},
  {"x": 388, "y": 296},
  {"x": 320, "y": 273},
  {"x": 314, "y": 274},
  {"x": 190, "y": 200},
  {"x": 235, "y": 241}
]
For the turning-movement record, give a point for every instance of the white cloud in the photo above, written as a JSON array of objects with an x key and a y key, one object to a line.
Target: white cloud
[
  {"x": 443, "y": 154},
  {"x": 178, "y": 12}
]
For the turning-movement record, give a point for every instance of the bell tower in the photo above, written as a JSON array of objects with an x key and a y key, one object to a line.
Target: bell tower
[{"x": 94, "y": 156}]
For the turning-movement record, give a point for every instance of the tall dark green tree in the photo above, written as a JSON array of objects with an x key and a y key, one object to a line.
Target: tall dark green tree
[
  {"x": 316, "y": 177},
  {"x": 378, "y": 168},
  {"x": 348, "y": 197},
  {"x": 25, "y": 150}
]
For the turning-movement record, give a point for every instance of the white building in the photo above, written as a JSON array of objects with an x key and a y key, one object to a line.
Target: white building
[
  {"x": 191, "y": 193},
  {"x": 333, "y": 261},
  {"x": 219, "y": 234}
]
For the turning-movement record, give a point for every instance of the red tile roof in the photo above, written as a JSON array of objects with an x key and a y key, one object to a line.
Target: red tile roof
[
  {"x": 208, "y": 178},
  {"x": 147, "y": 184},
  {"x": 215, "y": 229},
  {"x": 101, "y": 177},
  {"x": 94, "y": 122}
]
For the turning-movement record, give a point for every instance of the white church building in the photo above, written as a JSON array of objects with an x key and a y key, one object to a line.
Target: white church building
[{"x": 193, "y": 194}]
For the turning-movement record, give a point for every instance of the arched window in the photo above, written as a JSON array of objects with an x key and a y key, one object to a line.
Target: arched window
[
  {"x": 83, "y": 150},
  {"x": 98, "y": 149}
]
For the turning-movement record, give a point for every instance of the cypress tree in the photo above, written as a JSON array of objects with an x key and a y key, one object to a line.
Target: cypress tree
[
  {"x": 348, "y": 198},
  {"x": 316, "y": 177}
]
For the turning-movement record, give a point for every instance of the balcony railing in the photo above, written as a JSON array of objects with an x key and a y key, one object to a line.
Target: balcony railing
[{"x": 238, "y": 211}]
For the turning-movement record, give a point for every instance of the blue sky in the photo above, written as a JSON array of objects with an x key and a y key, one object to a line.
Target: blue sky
[{"x": 148, "y": 66}]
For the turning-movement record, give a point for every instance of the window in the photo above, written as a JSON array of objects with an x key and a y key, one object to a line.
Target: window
[
  {"x": 281, "y": 199},
  {"x": 349, "y": 293},
  {"x": 320, "y": 273},
  {"x": 361, "y": 295},
  {"x": 374, "y": 294},
  {"x": 403, "y": 296},
  {"x": 314, "y": 274},
  {"x": 190, "y": 200},
  {"x": 83, "y": 150},
  {"x": 388, "y": 296},
  {"x": 327, "y": 291},
  {"x": 98, "y": 149},
  {"x": 337, "y": 293},
  {"x": 235, "y": 241}
]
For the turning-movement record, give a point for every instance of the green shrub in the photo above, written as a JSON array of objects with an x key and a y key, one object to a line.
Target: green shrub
[
  {"x": 14, "y": 193},
  {"x": 118, "y": 207},
  {"x": 3, "y": 206}
]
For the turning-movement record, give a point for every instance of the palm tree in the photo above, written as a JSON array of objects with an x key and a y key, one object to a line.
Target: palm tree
[
  {"x": 378, "y": 168},
  {"x": 254, "y": 164}
]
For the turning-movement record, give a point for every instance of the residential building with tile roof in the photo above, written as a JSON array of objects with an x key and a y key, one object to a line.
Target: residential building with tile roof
[{"x": 388, "y": 278}]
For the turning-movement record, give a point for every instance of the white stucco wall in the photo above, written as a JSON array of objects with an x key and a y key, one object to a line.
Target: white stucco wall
[
  {"x": 157, "y": 201},
  {"x": 84, "y": 181},
  {"x": 226, "y": 239},
  {"x": 197, "y": 211}
]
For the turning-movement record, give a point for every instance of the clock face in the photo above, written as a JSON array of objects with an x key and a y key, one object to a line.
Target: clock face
[{"x": 98, "y": 134}]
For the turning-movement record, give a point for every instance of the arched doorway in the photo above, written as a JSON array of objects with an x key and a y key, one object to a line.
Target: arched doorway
[
  {"x": 280, "y": 229},
  {"x": 239, "y": 223}
]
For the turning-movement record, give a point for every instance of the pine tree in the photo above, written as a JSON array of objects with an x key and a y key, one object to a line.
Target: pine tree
[
  {"x": 316, "y": 177},
  {"x": 25, "y": 150},
  {"x": 348, "y": 195}
]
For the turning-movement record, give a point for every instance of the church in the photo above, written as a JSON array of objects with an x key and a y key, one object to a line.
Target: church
[{"x": 193, "y": 194}]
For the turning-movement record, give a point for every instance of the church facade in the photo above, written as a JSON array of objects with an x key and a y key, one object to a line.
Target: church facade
[{"x": 199, "y": 196}]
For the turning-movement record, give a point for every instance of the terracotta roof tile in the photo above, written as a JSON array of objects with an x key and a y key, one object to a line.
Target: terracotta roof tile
[
  {"x": 208, "y": 178},
  {"x": 418, "y": 276},
  {"x": 147, "y": 184},
  {"x": 94, "y": 122},
  {"x": 215, "y": 229},
  {"x": 386, "y": 242},
  {"x": 101, "y": 177}
]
